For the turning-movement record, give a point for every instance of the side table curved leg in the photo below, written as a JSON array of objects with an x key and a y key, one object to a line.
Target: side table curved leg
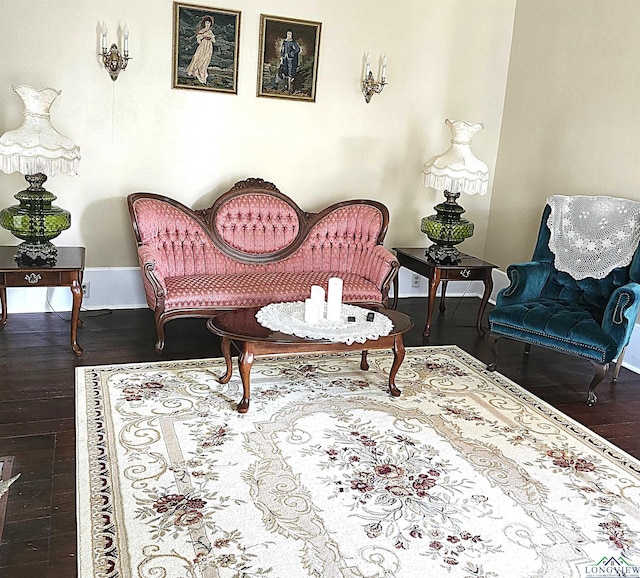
[
  {"x": 364, "y": 363},
  {"x": 434, "y": 281},
  {"x": 225, "y": 346},
  {"x": 443, "y": 295},
  {"x": 3, "y": 304},
  {"x": 488, "y": 288},
  {"x": 398, "y": 357},
  {"x": 245, "y": 361},
  {"x": 76, "y": 291}
]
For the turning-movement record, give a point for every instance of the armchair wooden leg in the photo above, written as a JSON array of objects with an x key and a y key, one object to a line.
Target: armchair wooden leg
[
  {"x": 601, "y": 371},
  {"x": 616, "y": 370},
  {"x": 493, "y": 340},
  {"x": 159, "y": 338}
]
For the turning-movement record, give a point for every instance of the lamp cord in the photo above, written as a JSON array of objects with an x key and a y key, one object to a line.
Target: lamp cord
[
  {"x": 95, "y": 312},
  {"x": 457, "y": 306}
]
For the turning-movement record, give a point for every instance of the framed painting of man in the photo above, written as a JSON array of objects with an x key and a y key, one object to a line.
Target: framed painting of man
[
  {"x": 288, "y": 58},
  {"x": 205, "y": 48}
]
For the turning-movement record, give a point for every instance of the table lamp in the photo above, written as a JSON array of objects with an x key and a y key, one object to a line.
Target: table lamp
[
  {"x": 455, "y": 171},
  {"x": 36, "y": 150}
]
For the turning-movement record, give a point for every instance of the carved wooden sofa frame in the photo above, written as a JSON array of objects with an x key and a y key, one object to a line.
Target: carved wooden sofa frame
[{"x": 255, "y": 246}]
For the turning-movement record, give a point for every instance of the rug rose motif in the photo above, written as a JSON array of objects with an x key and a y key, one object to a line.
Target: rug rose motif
[{"x": 465, "y": 475}]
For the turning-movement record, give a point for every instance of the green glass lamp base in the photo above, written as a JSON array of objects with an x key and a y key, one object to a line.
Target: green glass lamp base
[
  {"x": 36, "y": 222},
  {"x": 446, "y": 229},
  {"x": 443, "y": 255},
  {"x": 36, "y": 254}
]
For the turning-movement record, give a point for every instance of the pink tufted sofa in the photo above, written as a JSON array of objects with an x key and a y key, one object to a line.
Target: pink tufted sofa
[{"x": 255, "y": 246}]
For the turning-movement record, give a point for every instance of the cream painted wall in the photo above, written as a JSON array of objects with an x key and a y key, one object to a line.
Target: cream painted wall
[
  {"x": 572, "y": 115},
  {"x": 447, "y": 59}
]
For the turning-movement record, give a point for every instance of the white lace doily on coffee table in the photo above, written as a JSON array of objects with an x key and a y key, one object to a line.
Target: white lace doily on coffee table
[{"x": 289, "y": 318}]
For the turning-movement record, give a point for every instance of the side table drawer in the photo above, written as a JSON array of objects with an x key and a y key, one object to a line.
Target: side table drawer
[
  {"x": 463, "y": 274},
  {"x": 31, "y": 278}
]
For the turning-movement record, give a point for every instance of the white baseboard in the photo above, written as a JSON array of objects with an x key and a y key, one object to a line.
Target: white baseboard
[{"x": 121, "y": 288}]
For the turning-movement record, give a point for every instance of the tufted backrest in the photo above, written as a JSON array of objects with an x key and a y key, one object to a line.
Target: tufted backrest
[
  {"x": 589, "y": 292},
  {"x": 256, "y": 223},
  {"x": 339, "y": 238},
  {"x": 180, "y": 240}
]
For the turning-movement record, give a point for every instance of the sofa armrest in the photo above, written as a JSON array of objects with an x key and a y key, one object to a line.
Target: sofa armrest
[
  {"x": 152, "y": 275},
  {"x": 527, "y": 281},
  {"x": 621, "y": 312},
  {"x": 380, "y": 266}
]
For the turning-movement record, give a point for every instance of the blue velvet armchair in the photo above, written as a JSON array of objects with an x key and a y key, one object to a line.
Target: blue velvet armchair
[{"x": 591, "y": 318}]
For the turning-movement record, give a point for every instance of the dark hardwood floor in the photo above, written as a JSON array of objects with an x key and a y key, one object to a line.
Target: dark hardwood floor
[{"x": 37, "y": 407}]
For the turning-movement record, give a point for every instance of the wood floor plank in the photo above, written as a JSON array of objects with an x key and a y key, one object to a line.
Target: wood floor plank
[{"x": 28, "y": 529}]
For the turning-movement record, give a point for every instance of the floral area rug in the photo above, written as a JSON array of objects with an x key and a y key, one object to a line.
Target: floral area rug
[{"x": 464, "y": 475}]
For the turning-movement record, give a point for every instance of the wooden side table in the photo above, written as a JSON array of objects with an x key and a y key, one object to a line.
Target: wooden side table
[
  {"x": 67, "y": 272},
  {"x": 469, "y": 269}
]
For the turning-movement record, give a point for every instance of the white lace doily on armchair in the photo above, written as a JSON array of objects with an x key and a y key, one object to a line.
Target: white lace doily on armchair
[
  {"x": 591, "y": 236},
  {"x": 289, "y": 318}
]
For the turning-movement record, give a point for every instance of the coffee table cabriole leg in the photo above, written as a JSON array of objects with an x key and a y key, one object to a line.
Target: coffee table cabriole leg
[
  {"x": 245, "y": 361},
  {"x": 398, "y": 357},
  {"x": 225, "y": 347}
]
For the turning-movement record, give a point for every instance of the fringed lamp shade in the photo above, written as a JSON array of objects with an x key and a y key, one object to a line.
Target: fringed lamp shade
[
  {"x": 37, "y": 150},
  {"x": 455, "y": 171}
]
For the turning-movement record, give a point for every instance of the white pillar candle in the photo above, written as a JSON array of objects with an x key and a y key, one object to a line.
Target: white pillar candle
[
  {"x": 334, "y": 299},
  {"x": 312, "y": 311},
  {"x": 317, "y": 294}
]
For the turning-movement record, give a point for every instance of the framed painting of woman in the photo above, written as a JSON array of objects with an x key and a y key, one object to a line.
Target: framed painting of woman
[
  {"x": 205, "y": 48},
  {"x": 288, "y": 58}
]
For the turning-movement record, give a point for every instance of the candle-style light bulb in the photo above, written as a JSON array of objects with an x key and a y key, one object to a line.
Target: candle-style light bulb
[
  {"x": 104, "y": 36},
  {"x": 126, "y": 40},
  {"x": 384, "y": 68},
  {"x": 366, "y": 72}
]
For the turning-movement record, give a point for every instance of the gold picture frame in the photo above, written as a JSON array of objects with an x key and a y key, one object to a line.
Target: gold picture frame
[
  {"x": 288, "y": 58},
  {"x": 206, "y": 42}
]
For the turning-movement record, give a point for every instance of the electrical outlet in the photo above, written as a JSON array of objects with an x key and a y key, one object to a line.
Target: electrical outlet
[
  {"x": 415, "y": 281},
  {"x": 86, "y": 290}
]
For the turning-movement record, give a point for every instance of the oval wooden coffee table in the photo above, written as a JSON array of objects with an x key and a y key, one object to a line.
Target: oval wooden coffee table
[{"x": 240, "y": 328}]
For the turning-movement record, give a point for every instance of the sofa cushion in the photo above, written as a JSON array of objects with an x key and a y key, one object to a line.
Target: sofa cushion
[{"x": 254, "y": 289}]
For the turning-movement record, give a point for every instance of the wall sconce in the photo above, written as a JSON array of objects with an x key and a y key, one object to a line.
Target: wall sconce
[
  {"x": 113, "y": 61},
  {"x": 369, "y": 85}
]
